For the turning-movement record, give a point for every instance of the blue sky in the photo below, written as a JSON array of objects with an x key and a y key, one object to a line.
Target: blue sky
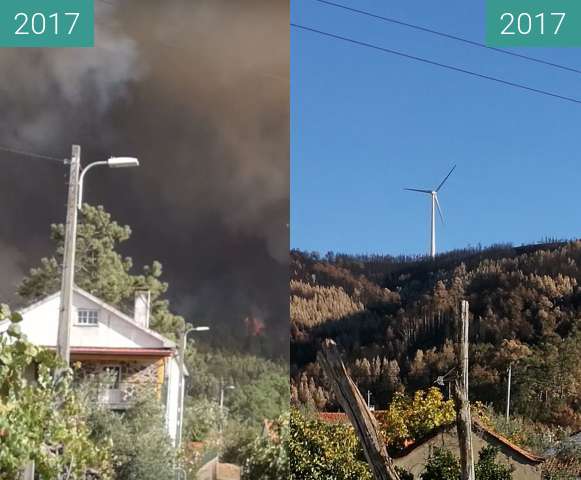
[{"x": 365, "y": 124}]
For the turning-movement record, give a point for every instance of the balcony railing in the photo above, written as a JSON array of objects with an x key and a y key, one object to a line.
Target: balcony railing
[{"x": 120, "y": 395}]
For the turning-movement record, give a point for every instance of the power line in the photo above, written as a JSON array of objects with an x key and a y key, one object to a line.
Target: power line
[
  {"x": 31, "y": 154},
  {"x": 449, "y": 36},
  {"x": 437, "y": 64}
]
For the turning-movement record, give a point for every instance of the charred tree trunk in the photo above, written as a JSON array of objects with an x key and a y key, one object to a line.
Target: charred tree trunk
[{"x": 359, "y": 415}]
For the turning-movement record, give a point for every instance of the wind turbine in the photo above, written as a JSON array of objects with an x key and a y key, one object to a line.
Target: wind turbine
[{"x": 435, "y": 204}]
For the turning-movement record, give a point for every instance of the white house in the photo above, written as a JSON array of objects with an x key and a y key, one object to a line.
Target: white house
[{"x": 121, "y": 354}]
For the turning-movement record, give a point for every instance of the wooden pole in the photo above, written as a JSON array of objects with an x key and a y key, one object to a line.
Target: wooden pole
[
  {"x": 508, "y": 393},
  {"x": 68, "y": 275},
  {"x": 359, "y": 415},
  {"x": 461, "y": 401},
  {"x": 28, "y": 473}
]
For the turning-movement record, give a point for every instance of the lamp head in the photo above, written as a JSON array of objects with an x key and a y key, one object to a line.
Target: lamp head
[{"x": 122, "y": 162}]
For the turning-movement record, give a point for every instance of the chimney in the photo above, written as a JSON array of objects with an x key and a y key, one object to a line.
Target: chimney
[{"x": 141, "y": 308}]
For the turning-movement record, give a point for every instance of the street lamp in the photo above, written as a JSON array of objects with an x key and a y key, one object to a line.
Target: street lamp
[
  {"x": 113, "y": 162},
  {"x": 74, "y": 202},
  {"x": 181, "y": 394}
]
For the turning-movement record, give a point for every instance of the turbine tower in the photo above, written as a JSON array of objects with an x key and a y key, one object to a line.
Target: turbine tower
[{"x": 435, "y": 204}]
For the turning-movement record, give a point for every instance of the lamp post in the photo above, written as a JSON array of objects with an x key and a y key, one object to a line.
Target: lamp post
[
  {"x": 74, "y": 203},
  {"x": 181, "y": 392},
  {"x": 113, "y": 162},
  {"x": 223, "y": 388}
]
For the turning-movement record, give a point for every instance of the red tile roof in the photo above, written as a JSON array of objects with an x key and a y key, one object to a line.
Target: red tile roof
[
  {"x": 334, "y": 417},
  {"x": 341, "y": 417}
]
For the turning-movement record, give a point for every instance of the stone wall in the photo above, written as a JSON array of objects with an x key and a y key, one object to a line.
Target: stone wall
[{"x": 136, "y": 376}]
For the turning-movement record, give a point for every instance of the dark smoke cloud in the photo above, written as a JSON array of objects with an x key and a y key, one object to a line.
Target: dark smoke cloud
[{"x": 198, "y": 90}]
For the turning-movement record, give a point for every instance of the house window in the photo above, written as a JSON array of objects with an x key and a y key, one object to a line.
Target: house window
[{"x": 87, "y": 317}]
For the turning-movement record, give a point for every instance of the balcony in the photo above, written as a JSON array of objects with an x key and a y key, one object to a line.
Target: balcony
[{"x": 119, "y": 396}]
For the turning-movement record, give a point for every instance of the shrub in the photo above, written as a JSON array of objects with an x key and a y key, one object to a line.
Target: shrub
[{"x": 267, "y": 457}]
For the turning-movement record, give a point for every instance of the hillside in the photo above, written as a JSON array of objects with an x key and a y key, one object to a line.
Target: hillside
[{"x": 395, "y": 320}]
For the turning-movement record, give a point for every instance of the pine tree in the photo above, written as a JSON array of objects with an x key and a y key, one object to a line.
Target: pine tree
[{"x": 102, "y": 271}]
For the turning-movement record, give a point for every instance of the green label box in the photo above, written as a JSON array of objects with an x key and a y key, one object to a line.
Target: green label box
[
  {"x": 47, "y": 23},
  {"x": 533, "y": 23}
]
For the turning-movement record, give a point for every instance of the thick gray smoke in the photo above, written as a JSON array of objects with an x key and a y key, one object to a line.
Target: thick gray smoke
[{"x": 198, "y": 90}]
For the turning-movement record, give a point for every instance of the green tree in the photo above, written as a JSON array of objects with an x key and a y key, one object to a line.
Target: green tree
[
  {"x": 264, "y": 399},
  {"x": 261, "y": 386},
  {"x": 319, "y": 451},
  {"x": 488, "y": 469},
  {"x": 41, "y": 417},
  {"x": 410, "y": 418},
  {"x": 267, "y": 458},
  {"x": 201, "y": 416},
  {"x": 442, "y": 465},
  {"x": 140, "y": 445},
  {"x": 102, "y": 271}
]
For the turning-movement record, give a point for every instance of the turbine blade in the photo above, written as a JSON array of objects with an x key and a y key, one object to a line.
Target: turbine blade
[
  {"x": 444, "y": 181},
  {"x": 418, "y": 190},
  {"x": 439, "y": 209}
]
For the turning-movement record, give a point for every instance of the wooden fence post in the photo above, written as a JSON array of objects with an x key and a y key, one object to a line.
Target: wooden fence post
[{"x": 356, "y": 409}]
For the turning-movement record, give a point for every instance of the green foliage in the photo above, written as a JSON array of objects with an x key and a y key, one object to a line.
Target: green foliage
[
  {"x": 236, "y": 438},
  {"x": 411, "y": 418},
  {"x": 442, "y": 465},
  {"x": 319, "y": 451},
  {"x": 141, "y": 447},
  {"x": 41, "y": 416},
  {"x": 488, "y": 469},
  {"x": 404, "y": 474},
  {"x": 267, "y": 458},
  {"x": 102, "y": 271},
  {"x": 261, "y": 386},
  {"x": 263, "y": 399},
  {"x": 201, "y": 416},
  {"x": 535, "y": 436}
]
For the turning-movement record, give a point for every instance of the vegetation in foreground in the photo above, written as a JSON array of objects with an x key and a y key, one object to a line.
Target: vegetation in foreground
[
  {"x": 132, "y": 446},
  {"x": 319, "y": 450}
]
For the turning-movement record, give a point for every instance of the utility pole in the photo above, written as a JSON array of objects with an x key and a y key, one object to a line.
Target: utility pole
[
  {"x": 28, "y": 473},
  {"x": 66, "y": 302},
  {"x": 508, "y": 393},
  {"x": 181, "y": 388},
  {"x": 68, "y": 278},
  {"x": 461, "y": 400},
  {"x": 433, "y": 236}
]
